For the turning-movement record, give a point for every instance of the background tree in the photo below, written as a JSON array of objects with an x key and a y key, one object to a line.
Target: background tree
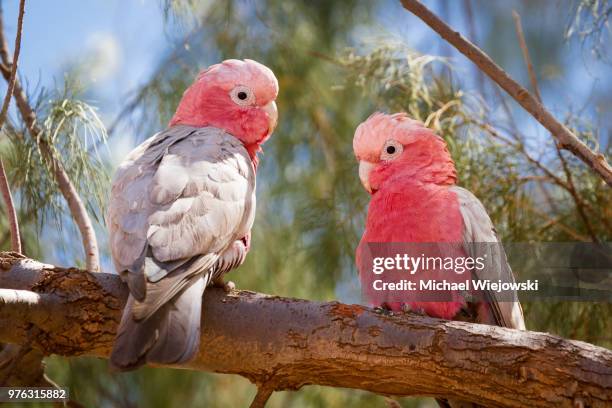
[{"x": 336, "y": 63}]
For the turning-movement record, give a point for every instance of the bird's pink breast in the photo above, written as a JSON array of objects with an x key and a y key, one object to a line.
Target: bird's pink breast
[{"x": 414, "y": 214}]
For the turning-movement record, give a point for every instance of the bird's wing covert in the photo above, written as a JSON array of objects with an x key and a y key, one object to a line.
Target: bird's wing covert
[
  {"x": 185, "y": 192},
  {"x": 480, "y": 240}
]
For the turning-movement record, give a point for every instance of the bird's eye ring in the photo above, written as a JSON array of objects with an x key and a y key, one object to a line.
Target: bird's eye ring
[
  {"x": 242, "y": 95},
  {"x": 391, "y": 150}
]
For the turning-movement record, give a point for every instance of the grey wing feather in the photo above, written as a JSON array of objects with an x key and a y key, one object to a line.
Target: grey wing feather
[
  {"x": 178, "y": 203},
  {"x": 184, "y": 192},
  {"x": 480, "y": 240}
]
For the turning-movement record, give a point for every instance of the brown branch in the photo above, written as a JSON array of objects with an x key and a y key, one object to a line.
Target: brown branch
[
  {"x": 11, "y": 81},
  {"x": 571, "y": 187},
  {"x": 29, "y": 370},
  {"x": 4, "y": 183},
  {"x": 564, "y": 136},
  {"x": 520, "y": 148},
  {"x": 328, "y": 136},
  {"x": 264, "y": 393},
  {"x": 65, "y": 185},
  {"x": 518, "y": 26},
  {"x": 291, "y": 343},
  {"x": 11, "y": 213},
  {"x": 469, "y": 14}
]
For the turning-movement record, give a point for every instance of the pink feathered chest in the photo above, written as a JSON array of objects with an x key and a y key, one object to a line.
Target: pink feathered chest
[
  {"x": 427, "y": 214},
  {"x": 421, "y": 214}
]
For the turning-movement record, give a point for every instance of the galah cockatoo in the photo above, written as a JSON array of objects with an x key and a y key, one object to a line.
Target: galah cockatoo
[
  {"x": 181, "y": 209},
  {"x": 411, "y": 177}
]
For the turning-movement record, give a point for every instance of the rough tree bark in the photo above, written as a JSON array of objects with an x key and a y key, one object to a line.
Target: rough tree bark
[{"x": 284, "y": 344}]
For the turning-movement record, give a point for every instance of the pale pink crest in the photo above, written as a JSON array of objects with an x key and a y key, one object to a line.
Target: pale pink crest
[
  {"x": 371, "y": 135},
  {"x": 424, "y": 156}
]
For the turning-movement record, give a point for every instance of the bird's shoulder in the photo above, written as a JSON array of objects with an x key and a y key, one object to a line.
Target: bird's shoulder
[
  {"x": 478, "y": 226},
  {"x": 183, "y": 192}
]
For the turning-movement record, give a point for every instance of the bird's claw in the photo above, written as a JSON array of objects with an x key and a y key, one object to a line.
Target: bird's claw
[
  {"x": 383, "y": 310},
  {"x": 406, "y": 308},
  {"x": 227, "y": 286}
]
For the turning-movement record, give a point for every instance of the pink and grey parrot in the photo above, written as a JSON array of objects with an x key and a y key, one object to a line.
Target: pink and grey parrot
[
  {"x": 411, "y": 177},
  {"x": 181, "y": 209}
]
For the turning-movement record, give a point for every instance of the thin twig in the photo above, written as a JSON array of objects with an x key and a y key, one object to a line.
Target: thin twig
[
  {"x": 571, "y": 187},
  {"x": 391, "y": 403},
  {"x": 20, "y": 352},
  {"x": 4, "y": 183},
  {"x": 469, "y": 14},
  {"x": 550, "y": 222},
  {"x": 520, "y": 148},
  {"x": 10, "y": 210},
  {"x": 11, "y": 83},
  {"x": 65, "y": 185},
  {"x": 564, "y": 136},
  {"x": 326, "y": 131},
  {"x": 264, "y": 392},
  {"x": 518, "y": 26}
]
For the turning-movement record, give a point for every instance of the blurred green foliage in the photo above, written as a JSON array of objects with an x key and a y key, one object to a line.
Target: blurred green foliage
[
  {"x": 311, "y": 206},
  {"x": 75, "y": 133}
]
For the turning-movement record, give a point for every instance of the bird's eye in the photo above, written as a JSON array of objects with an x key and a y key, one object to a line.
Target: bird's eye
[
  {"x": 242, "y": 95},
  {"x": 391, "y": 150}
]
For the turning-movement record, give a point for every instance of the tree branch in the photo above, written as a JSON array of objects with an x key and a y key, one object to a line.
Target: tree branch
[
  {"x": 518, "y": 27},
  {"x": 4, "y": 183},
  {"x": 571, "y": 187},
  {"x": 566, "y": 139},
  {"x": 11, "y": 213},
  {"x": 68, "y": 190},
  {"x": 261, "y": 398},
  {"x": 11, "y": 81},
  {"x": 291, "y": 343}
]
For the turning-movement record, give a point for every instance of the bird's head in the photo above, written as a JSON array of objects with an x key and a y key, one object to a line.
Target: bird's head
[
  {"x": 395, "y": 148},
  {"x": 237, "y": 96}
]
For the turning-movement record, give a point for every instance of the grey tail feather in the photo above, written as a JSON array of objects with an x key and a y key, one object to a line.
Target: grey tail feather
[{"x": 170, "y": 336}]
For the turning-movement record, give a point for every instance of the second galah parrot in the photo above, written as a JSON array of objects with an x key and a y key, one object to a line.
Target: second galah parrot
[
  {"x": 411, "y": 177},
  {"x": 181, "y": 209}
]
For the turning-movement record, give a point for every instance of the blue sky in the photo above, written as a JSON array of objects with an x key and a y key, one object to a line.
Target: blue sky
[{"x": 124, "y": 38}]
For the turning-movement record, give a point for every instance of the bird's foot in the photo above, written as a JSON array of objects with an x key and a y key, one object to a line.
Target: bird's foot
[
  {"x": 227, "y": 286},
  {"x": 383, "y": 310},
  {"x": 406, "y": 308}
]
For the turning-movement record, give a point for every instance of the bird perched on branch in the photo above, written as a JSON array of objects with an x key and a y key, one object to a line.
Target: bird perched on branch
[
  {"x": 181, "y": 209},
  {"x": 411, "y": 177}
]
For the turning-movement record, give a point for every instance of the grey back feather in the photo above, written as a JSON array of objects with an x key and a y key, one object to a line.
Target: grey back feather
[
  {"x": 185, "y": 192},
  {"x": 480, "y": 240},
  {"x": 180, "y": 203}
]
